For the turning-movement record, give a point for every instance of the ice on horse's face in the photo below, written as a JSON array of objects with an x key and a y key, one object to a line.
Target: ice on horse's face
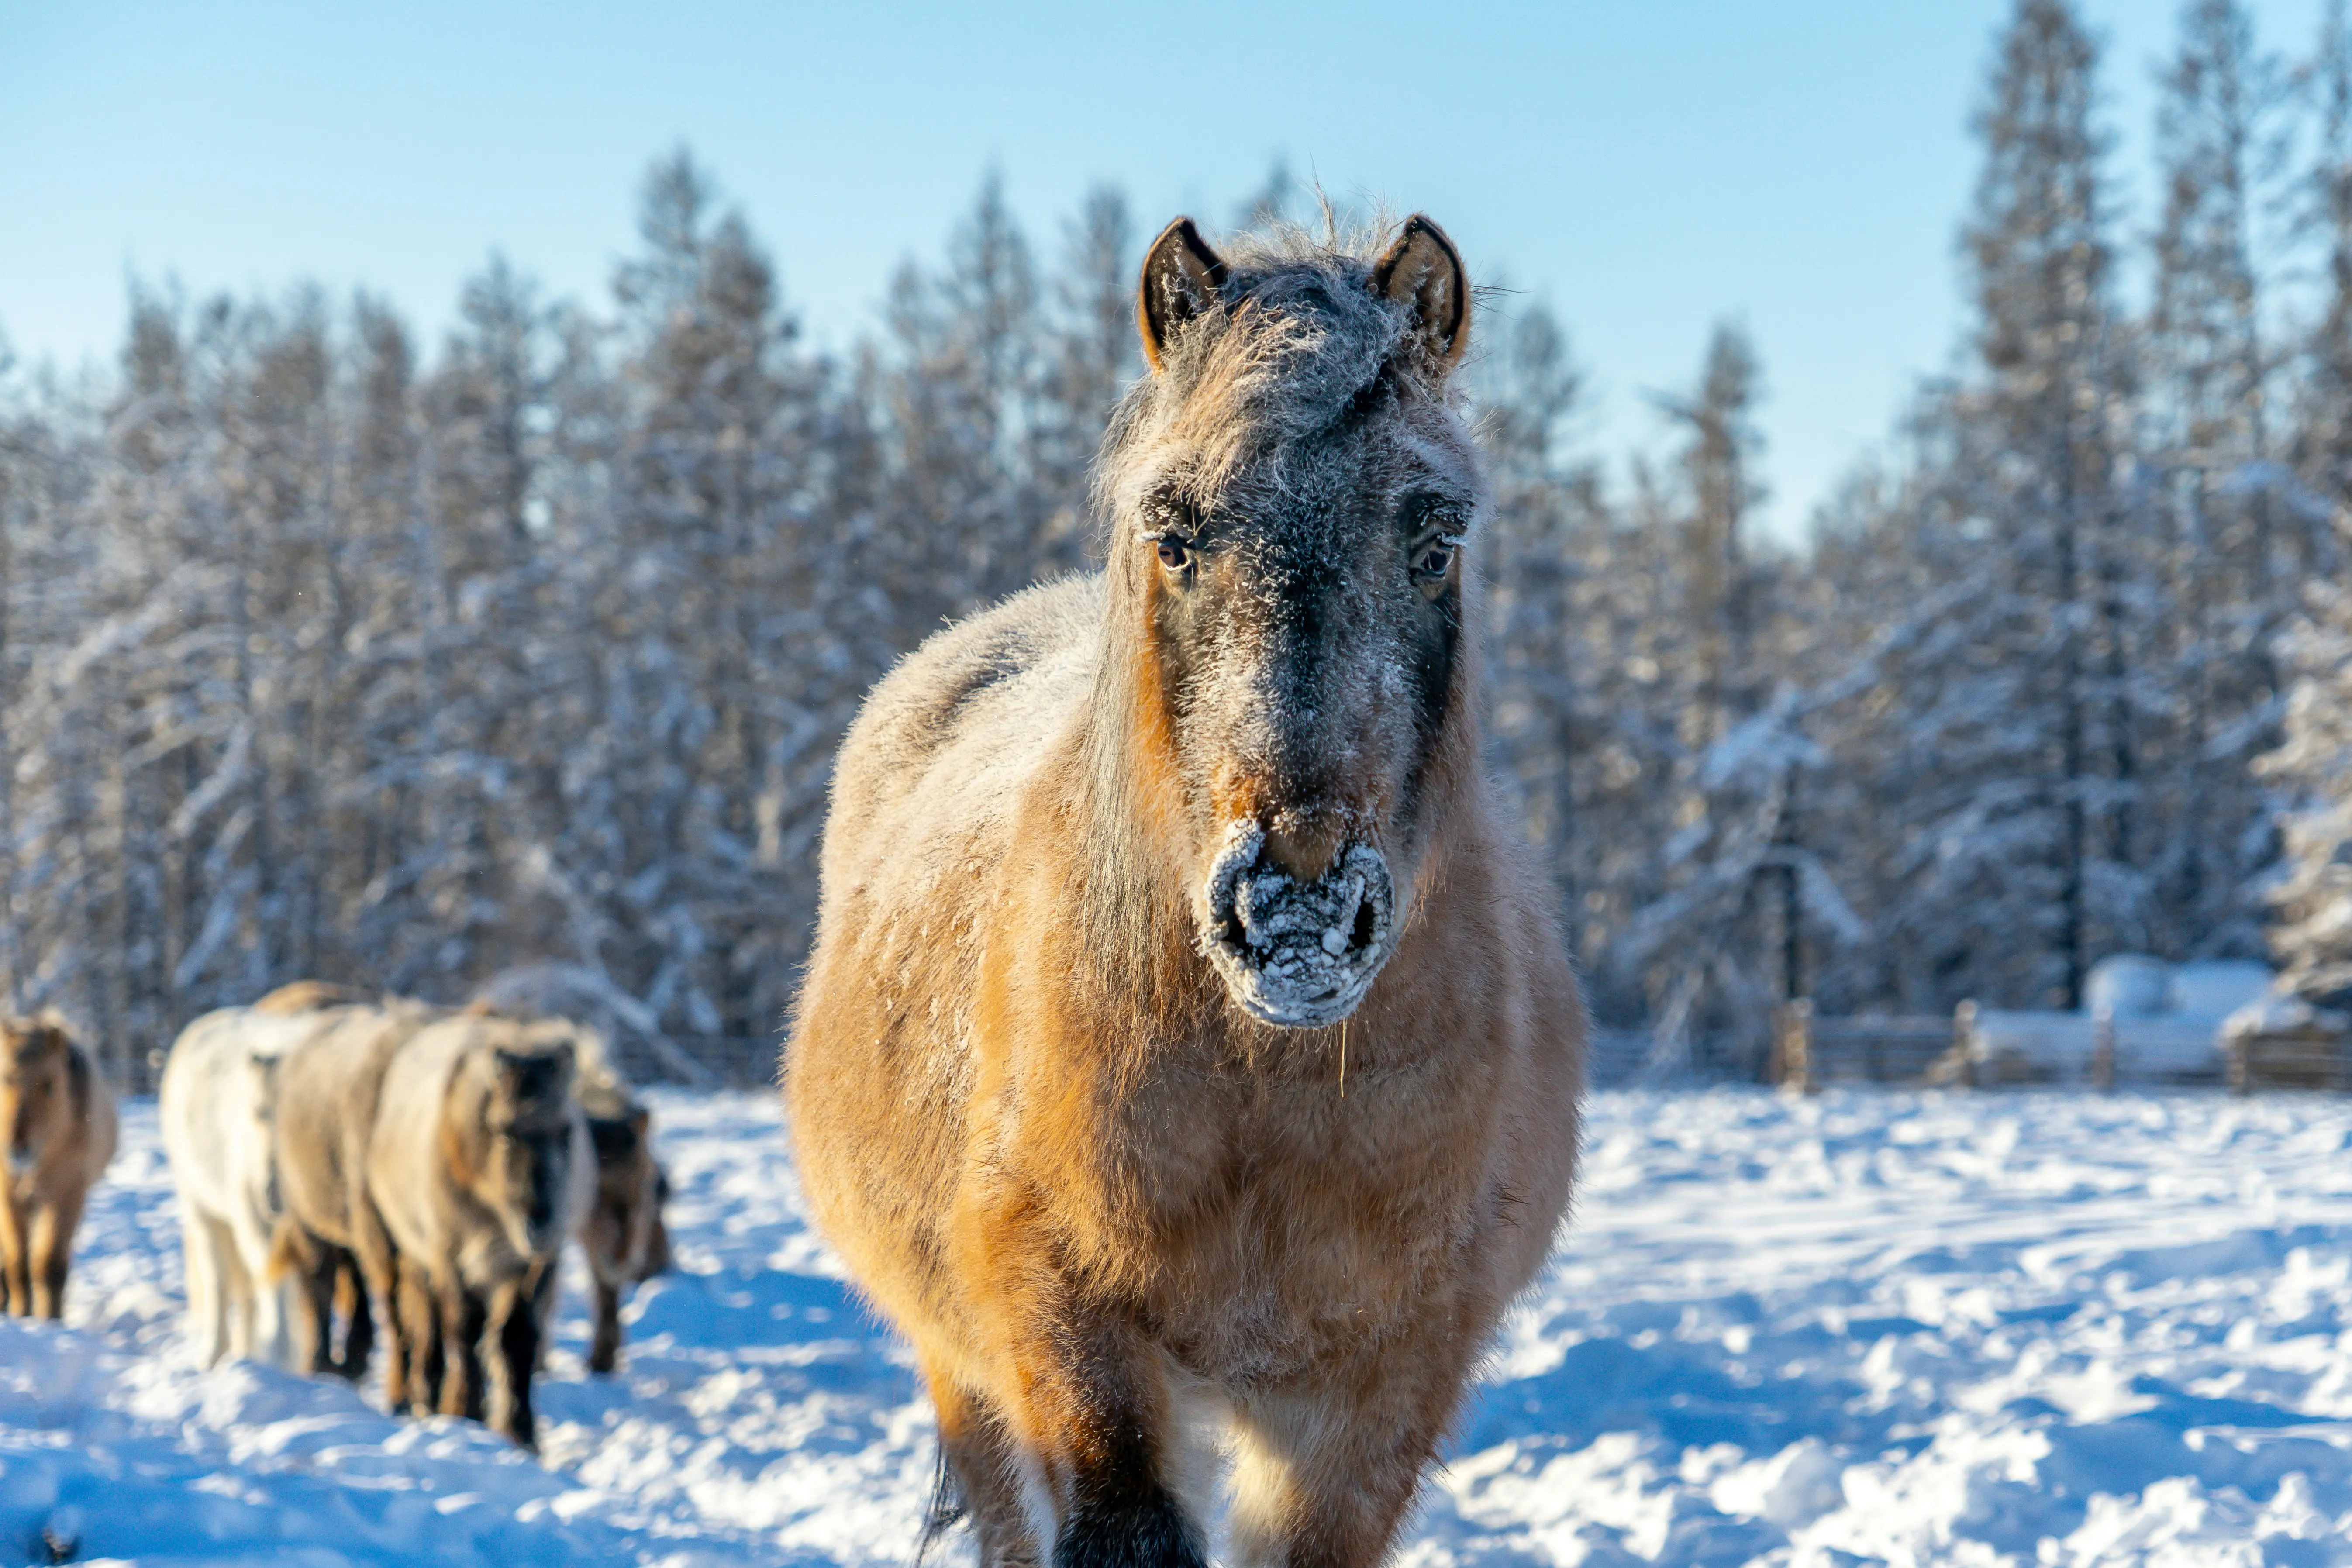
[{"x": 1300, "y": 536}]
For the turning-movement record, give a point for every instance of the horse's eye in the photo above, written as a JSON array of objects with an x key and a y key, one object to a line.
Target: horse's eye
[
  {"x": 1436, "y": 559},
  {"x": 1174, "y": 553}
]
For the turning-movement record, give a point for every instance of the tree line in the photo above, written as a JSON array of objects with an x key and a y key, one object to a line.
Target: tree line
[{"x": 519, "y": 660}]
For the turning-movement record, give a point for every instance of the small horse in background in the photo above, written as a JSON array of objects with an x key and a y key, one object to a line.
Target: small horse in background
[
  {"x": 1187, "y": 1064},
  {"x": 621, "y": 1230},
  {"x": 215, "y": 1105},
  {"x": 59, "y": 1115},
  {"x": 479, "y": 1163}
]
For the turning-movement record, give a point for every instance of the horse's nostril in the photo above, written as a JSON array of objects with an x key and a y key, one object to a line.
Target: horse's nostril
[{"x": 1366, "y": 927}]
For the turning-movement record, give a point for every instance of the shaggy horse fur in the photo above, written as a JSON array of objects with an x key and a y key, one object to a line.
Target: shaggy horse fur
[
  {"x": 1187, "y": 1064},
  {"x": 59, "y": 1116},
  {"x": 478, "y": 1157}
]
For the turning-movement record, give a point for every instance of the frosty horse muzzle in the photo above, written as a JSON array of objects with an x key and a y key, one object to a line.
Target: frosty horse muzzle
[{"x": 1297, "y": 952}]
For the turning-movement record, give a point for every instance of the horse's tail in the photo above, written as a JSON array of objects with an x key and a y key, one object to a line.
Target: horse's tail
[{"x": 946, "y": 1510}]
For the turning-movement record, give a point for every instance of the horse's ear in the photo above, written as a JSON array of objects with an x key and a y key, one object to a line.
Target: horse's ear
[
  {"x": 1423, "y": 271},
  {"x": 1182, "y": 278}
]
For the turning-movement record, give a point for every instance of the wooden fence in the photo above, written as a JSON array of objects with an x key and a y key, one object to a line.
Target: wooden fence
[
  {"x": 1808, "y": 1052},
  {"x": 2289, "y": 1058}
]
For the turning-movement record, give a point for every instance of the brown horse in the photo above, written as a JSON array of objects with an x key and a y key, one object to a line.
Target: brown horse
[
  {"x": 621, "y": 1231},
  {"x": 59, "y": 1118},
  {"x": 478, "y": 1164},
  {"x": 1186, "y": 1054}
]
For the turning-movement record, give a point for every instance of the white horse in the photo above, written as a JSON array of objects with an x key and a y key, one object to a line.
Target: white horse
[{"x": 215, "y": 1105}]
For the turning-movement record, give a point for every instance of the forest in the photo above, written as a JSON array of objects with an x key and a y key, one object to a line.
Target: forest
[{"x": 519, "y": 660}]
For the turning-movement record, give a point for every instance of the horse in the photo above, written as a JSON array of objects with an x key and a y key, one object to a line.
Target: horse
[
  {"x": 330, "y": 1238},
  {"x": 1188, "y": 1062},
  {"x": 479, "y": 1163},
  {"x": 620, "y": 1228},
  {"x": 215, "y": 1106},
  {"x": 59, "y": 1116}
]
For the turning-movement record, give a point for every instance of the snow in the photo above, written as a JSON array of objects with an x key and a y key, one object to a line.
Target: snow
[{"x": 1862, "y": 1327}]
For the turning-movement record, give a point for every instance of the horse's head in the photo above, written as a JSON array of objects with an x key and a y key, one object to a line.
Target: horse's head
[
  {"x": 36, "y": 1087},
  {"x": 1290, "y": 491},
  {"x": 626, "y": 1239},
  {"x": 508, "y": 1127}
]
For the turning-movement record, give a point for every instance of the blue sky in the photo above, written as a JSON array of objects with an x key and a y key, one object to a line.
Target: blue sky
[{"x": 1645, "y": 168}]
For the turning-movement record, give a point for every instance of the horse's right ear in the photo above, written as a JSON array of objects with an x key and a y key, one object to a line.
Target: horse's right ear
[{"x": 1182, "y": 278}]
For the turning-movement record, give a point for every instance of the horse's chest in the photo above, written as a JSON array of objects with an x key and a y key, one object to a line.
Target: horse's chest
[{"x": 1266, "y": 1243}]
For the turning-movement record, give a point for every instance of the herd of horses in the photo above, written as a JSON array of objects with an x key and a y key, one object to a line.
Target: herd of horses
[
  {"x": 342, "y": 1161},
  {"x": 1188, "y": 1062}
]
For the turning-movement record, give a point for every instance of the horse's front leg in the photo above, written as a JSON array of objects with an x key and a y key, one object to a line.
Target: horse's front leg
[
  {"x": 605, "y": 1348},
  {"x": 51, "y": 1254},
  {"x": 463, "y": 1315},
  {"x": 417, "y": 1364},
  {"x": 983, "y": 1477},
  {"x": 381, "y": 1276},
  {"x": 515, "y": 1312},
  {"x": 1098, "y": 1449},
  {"x": 16, "y": 1258},
  {"x": 1323, "y": 1472},
  {"x": 303, "y": 1258}
]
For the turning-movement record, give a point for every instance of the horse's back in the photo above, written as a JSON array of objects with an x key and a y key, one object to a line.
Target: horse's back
[
  {"x": 328, "y": 1087},
  {"x": 931, "y": 768},
  {"x": 208, "y": 1098}
]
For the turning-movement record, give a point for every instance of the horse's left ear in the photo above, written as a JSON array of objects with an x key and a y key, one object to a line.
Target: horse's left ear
[{"x": 1423, "y": 271}]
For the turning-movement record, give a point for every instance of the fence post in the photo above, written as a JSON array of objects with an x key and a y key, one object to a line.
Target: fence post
[
  {"x": 2242, "y": 1067},
  {"x": 1964, "y": 1029},
  {"x": 1793, "y": 1043},
  {"x": 2102, "y": 1052}
]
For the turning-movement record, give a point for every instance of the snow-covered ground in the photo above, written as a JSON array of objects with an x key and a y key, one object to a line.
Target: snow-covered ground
[{"x": 1869, "y": 1327}]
